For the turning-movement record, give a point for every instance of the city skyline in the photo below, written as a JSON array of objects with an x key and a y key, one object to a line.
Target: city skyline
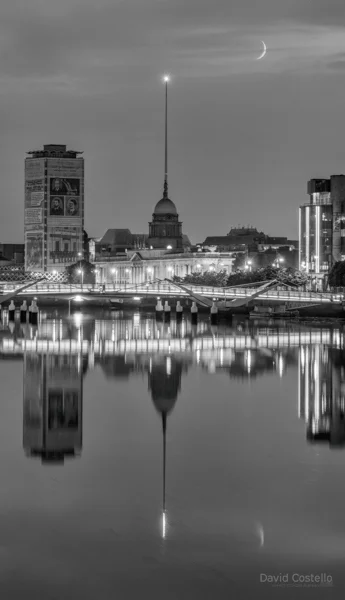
[{"x": 244, "y": 135}]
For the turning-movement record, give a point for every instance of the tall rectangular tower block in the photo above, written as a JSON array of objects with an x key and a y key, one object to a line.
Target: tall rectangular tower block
[{"x": 54, "y": 208}]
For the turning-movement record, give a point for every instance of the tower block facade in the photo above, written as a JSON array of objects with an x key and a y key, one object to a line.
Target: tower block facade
[{"x": 54, "y": 208}]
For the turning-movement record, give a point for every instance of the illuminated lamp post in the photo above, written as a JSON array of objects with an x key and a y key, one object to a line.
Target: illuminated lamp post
[
  {"x": 81, "y": 272},
  {"x": 278, "y": 261},
  {"x": 248, "y": 266}
]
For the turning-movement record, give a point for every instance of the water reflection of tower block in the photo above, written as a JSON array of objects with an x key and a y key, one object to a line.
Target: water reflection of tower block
[
  {"x": 52, "y": 426},
  {"x": 326, "y": 420}
]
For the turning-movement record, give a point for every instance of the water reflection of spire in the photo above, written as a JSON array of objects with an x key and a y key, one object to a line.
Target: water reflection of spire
[
  {"x": 165, "y": 383},
  {"x": 164, "y": 429}
]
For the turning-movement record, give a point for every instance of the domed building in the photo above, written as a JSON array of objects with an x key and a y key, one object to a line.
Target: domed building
[{"x": 165, "y": 228}]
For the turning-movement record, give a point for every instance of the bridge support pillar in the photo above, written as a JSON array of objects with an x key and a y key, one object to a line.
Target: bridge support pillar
[
  {"x": 23, "y": 312},
  {"x": 11, "y": 311},
  {"x": 194, "y": 313},
  {"x": 167, "y": 311},
  {"x": 159, "y": 310},
  {"x": 214, "y": 314}
]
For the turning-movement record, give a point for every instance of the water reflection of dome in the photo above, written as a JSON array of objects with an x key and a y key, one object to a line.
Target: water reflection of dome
[{"x": 165, "y": 383}]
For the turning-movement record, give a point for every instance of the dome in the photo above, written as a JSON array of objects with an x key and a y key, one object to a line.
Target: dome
[{"x": 165, "y": 207}]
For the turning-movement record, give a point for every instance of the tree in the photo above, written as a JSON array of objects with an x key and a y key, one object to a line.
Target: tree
[
  {"x": 288, "y": 276},
  {"x": 88, "y": 272},
  {"x": 336, "y": 277},
  {"x": 209, "y": 278},
  {"x": 240, "y": 261},
  {"x": 86, "y": 249}
]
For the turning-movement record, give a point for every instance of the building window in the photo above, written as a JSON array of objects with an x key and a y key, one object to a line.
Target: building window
[
  {"x": 57, "y": 246},
  {"x": 66, "y": 246}
]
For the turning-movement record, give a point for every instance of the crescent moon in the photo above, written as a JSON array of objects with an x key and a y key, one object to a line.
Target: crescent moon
[
  {"x": 260, "y": 532},
  {"x": 264, "y": 51}
]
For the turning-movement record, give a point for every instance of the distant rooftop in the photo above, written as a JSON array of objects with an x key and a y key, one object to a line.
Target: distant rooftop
[{"x": 54, "y": 150}]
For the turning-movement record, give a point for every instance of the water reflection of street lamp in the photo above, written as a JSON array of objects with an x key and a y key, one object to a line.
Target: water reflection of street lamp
[
  {"x": 76, "y": 299},
  {"x": 114, "y": 272}
]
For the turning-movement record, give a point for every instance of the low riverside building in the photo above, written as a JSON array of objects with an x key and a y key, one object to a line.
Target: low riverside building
[
  {"x": 137, "y": 267},
  {"x": 13, "y": 253},
  {"x": 250, "y": 244}
]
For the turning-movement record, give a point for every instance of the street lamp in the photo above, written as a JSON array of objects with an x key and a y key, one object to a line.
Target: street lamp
[
  {"x": 279, "y": 259},
  {"x": 81, "y": 272}
]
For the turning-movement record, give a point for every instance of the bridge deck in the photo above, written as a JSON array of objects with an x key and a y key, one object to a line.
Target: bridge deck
[{"x": 169, "y": 290}]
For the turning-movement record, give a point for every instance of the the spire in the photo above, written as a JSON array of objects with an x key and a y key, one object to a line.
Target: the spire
[{"x": 166, "y": 80}]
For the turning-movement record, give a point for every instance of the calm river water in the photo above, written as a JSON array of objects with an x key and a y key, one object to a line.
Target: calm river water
[{"x": 145, "y": 460}]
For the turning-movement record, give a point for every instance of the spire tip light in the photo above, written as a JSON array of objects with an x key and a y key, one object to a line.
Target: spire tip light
[{"x": 166, "y": 78}]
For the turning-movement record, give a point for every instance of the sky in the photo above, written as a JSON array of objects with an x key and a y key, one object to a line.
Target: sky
[{"x": 245, "y": 135}]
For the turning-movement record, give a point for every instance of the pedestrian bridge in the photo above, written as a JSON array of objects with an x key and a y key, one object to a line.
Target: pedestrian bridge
[{"x": 231, "y": 296}]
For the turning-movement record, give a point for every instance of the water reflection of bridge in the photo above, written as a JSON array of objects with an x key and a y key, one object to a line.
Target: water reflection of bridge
[{"x": 103, "y": 338}]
